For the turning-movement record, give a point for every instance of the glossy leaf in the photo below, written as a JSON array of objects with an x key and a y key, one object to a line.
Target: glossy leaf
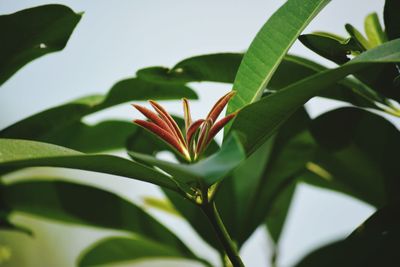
[
  {"x": 80, "y": 204},
  {"x": 32, "y": 33},
  {"x": 269, "y": 47},
  {"x": 209, "y": 170},
  {"x": 52, "y": 124},
  {"x": 374, "y": 243},
  {"x": 278, "y": 107},
  {"x": 113, "y": 250},
  {"x": 17, "y": 154}
]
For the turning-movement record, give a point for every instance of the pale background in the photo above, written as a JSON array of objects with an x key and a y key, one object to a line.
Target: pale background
[{"x": 112, "y": 41}]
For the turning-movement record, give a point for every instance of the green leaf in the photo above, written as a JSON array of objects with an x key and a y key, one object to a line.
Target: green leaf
[
  {"x": 113, "y": 250},
  {"x": 223, "y": 68},
  {"x": 6, "y": 225},
  {"x": 373, "y": 30},
  {"x": 374, "y": 243},
  {"x": 358, "y": 37},
  {"x": 53, "y": 124},
  {"x": 209, "y": 170},
  {"x": 269, "y": 47},
  {"x": 278, "y": 107},
  {"x": 32, "y": 33},
  {"x": 104, "y": 136},
  {"x": 214, "y": 68},
  {"x": 259, "y": 186},
  {"x": 328, "y": 47},
  {"x": 359, "y": 160},
  {"x": 279, "y": 210},
  {"x": 392, "y": 19},
  {"x": 347, "y": 90},
  {"x": 17, "y": 154},
  {"x": 85, "y": 205}
]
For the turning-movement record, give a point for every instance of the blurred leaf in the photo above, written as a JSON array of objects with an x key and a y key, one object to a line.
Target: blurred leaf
[
  {"x": 17, "y": 154},
  {"x": 374, "y": 243},
  {"x": 360, "y": 159},
  {"x": 112, "y": 250},
  {"x": 105, "y": 136},
  {"x": 213, "y": 68},
  {"x": 32, "y": 33},
  {"x": 209, "y": 170},
  {"x": 278, "y": 107},
  {"x": 81, "y": 204},
  {"x": 279, "y": 210},
  {"x": 56, "y": 123},
  {"x": 373, "y": 30},
  {"x": 6, "y": 225},
  {"x": 392, "y": 19},
  {"x": 269, "y": 47},
  {"x": 160, "y": 204}
]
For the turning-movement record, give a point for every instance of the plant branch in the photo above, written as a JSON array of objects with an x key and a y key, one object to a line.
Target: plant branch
[{"x": 213, "y": 216}]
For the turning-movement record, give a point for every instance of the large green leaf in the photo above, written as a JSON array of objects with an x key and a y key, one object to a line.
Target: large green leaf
[
  {"x": 374, "y": 243},
  {"x": 261, "y": 186},
  {"x": 80, "y": 204},
  {"x": 223, "y": 68},
  {"x": 278, "y": 107},
  {"x": 113, "y": 250},
  {"x": 32, "y": 33},
  {"x": 269, "y": 47},
  {"x": 208, "y": 171},
  {"x": 17, "y": 154},
  {"x": 360, "y": 159}
]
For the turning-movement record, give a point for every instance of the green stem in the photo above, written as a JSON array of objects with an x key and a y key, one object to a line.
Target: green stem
[{"x": 213, "y": 216}]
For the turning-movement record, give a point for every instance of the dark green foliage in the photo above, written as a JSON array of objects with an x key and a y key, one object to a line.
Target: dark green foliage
[{"x": 32, "y": 33}]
